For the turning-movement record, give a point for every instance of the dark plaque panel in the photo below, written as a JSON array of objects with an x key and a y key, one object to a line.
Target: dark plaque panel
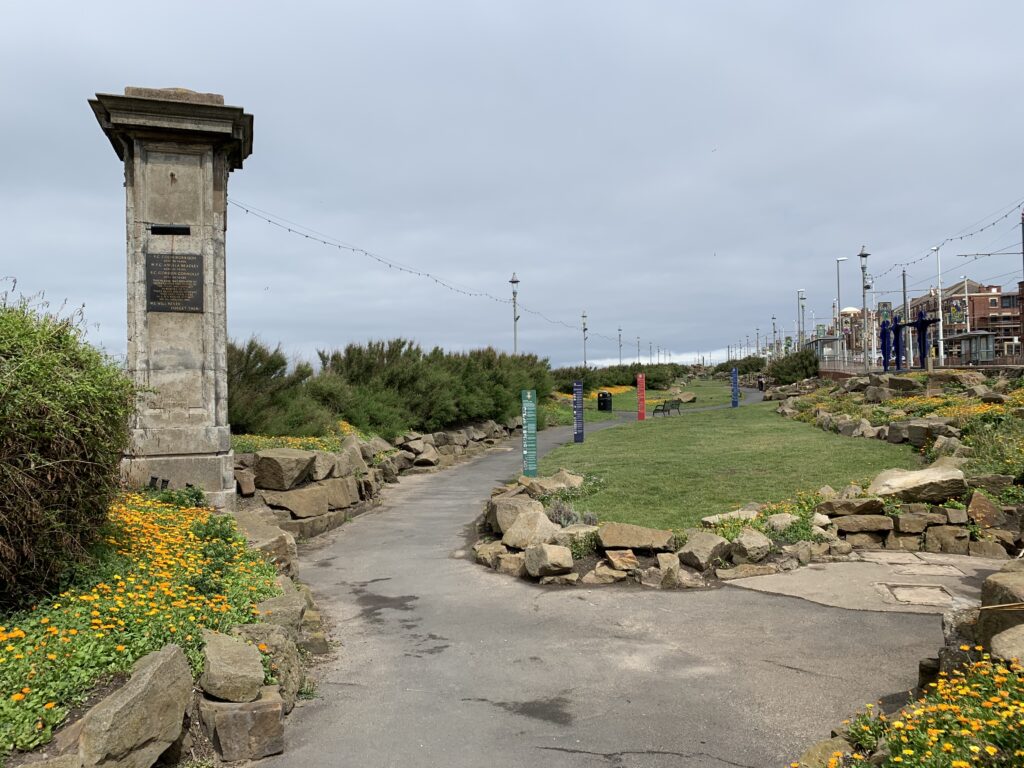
[{"x": 174, "y": 282}]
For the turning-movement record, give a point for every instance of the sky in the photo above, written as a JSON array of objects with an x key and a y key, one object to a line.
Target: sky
[{"x": 674, "y": 169}]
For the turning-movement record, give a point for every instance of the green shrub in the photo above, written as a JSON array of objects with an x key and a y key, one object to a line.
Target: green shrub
[
  {"x": 64, "y": 410},
  {"x": 796, "y": 367}
]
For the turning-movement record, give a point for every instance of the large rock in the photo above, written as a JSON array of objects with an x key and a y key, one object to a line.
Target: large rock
[
  {"x": 503, "y": 510},
  {"x": 905, "y": 384},
  {"x": 245, "y": 480},
  {"x": 512, "y": 563},
  {"x": 602, "y": 574},
  {"x": 487, "y": 552},
  {"x": 917, "y": 522},
  {"x": 781, "y": 521},
  {"x": 284, "y": 655},
  {"x": 751, "y": 546},
  {"x": 562, "y": 480},
  {"x": 993, "y": 484},
  {"x": 529, "y": 529},
  {"x": 688, "y": 397},
  {"x": 990, "y": 549},
  {"x": 622, "y": 559},
  {"x": 286, "y": 610},
  {"x": 278, "y": 469},
  {"x": 349, "y": 459},
  {"x": 341, "y": 492},
  {"x": 949, "y": 539},
  {"x": 573, "y": 533},
  {"x": 247, "y": 731},
  {"x": 1009, "y": 644},
  {"x": 428, "y": 457},
  {"x": 133, "y": 726},
  {"x": 748, "y": 512},
  {"x": 859, "y": 523},
  {"x": 629, "y": 536},
  {"x": 324, "y": 465},
  {"x": 746, "y": 571},
  {"x": 984, "y": 512},
  {"x": 703, "y": 549},
  {"x": 232, "y": 669},
  {"x": 933, "y": 484},
  {"x": 837, "y": 507},
  {"x": 1002, "y": 588},
  {"x": 547, "y": 560},
  {"x": 277, "y": 545},
  {"x": 310, "y": 501}
]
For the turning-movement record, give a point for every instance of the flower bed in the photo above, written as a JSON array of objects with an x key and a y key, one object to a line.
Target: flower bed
[
  {"x": 254, "y": 443},
  {"x": 971, "y": 717},
  {"x": 165, "y": 572}
]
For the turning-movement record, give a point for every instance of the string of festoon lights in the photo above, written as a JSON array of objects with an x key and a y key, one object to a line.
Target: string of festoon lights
[{"x": 313, "y": 235}]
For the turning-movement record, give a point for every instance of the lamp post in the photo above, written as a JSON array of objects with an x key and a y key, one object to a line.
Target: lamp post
[
  {"x": 864, "y": 304},
  {"x": 638, "y": 350},
  {"x": 620, "y": 346},
  {"x": 584, "y": 339},
  {"x": 938, "y": 274},
  {"x": 799, "y": 325},
  {"x": 775, "y": 343},
  {"x": 515, "y": 314},
  {"x": 839, "y": 312},
  {"x": 757, "y": 332}
]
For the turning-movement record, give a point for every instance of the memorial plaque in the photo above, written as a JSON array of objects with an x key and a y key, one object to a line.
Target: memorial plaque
[
  {"x": 577, "y": 411},
  {"x": 735, "y": 376},
  {"x": 174, "y": 282}
]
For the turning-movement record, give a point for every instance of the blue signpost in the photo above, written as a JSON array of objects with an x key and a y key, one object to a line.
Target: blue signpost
[
  {"x": 735, "y": 388},
  {"x": 577, "y": 411},
  {"x": 529, "y": 398}
]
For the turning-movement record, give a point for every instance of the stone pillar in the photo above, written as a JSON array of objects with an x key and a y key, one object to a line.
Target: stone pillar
[{"x": 178, "y": 148}]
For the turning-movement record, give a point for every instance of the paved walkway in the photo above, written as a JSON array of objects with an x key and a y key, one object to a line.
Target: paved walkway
[{"x": 448, "y": 664}]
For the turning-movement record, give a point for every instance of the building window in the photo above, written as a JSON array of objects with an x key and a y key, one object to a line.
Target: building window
[{"x": 993, "y": 302}]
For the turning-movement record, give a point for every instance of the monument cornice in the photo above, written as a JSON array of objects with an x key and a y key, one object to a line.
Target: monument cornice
[{"x": 175, "y": 115}]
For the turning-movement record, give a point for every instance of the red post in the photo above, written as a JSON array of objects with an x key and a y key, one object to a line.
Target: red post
[{"x": 641, "y": 397}]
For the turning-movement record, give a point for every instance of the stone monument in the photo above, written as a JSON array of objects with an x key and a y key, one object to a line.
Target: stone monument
[{"x": 178, "y": 148}]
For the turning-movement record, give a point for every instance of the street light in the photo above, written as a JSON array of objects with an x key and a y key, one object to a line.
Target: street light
[
  {"x": 620, "y": 346},
  {"x": 584, "y": 339},
  {"x": 938, "y": 271},
  {"x": 515, "y": 314},
  {"x": 638, "y": 350},
  {"x": 839, "y": 313},
  {"x": 799, "y": 325},
  {"x": 775, "y": 343},
  {"x": 864, "y": 304}
]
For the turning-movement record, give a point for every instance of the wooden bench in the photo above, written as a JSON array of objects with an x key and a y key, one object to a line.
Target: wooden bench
[{"x": 666, "y": 408}]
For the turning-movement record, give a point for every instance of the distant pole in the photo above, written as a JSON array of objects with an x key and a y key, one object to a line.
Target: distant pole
[
  {"x": 908, "y": 343},
  {"x": 515, "y": 314},
  {"x": 584, "y": 339},
  {"x": 864, "y": 304},
  {"x": 638, "y": 350},
  {"x": 967, "y": 307},
  {"x": 839, "y": 311},
  {"x": 938, "y": 276},
  {"x": 659, "y": 354},
  {"x": 758, "y": 332},
  {"x": 775, "y": 343},
  {"x": 650, "y": 352},
  {"x": 620, "y": 346}
]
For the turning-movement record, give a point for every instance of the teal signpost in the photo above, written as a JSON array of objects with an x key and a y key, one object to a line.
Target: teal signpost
[{"x": 529, "y": 398}]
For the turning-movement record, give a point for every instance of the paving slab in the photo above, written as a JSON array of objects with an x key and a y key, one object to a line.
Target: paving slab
[{"x": 866, "y": 583}]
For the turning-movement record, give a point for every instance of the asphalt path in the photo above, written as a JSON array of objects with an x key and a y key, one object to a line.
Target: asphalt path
[{"x": 445, "y": 663}]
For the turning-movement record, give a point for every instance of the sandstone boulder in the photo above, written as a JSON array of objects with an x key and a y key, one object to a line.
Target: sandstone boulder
[
  {"x": 547, "y": 560},
  {"x": 628, "y": 536},
  {"x": 984, "y": 512},
  {"x": 917, "y": 522},
  {"x": 279, "y": 469},
  {"x": 245, "y": 480},
  {"x": 1000, "y": 588},
  {"x": 512, "y": 563},
  {"x": 310, "y": 501},
  {"x": 284, "y": 653},
  {"x": 837, "y": 507},
  {"x": 821, "y": 754},
  {"x": 859, "y": 523},
  {"x": 751, "y": 546},
  {"x": 622, "y": 559},
  {"x": 135, "y": 724},
  {"x": 573, "y": 533},
  {"x": 948, "y": 539},
  {"x": 487, "y": 552},
  {"x": 748, "y": 512},
  {"x": 232, "y": 669},
  {"x": 341, "y": 492},
  {"x": 746, "y": 571},
  {"x": 1009, "y": 644},
  {"x": 933, "y": 484},
  {"x": 781, "y": 521},
  {"x": 248, "y": 731},
  {"x": 503, "y": 510},
  {"x": 277, "y": 546},
  {"x": 428, "y": 457},
  {"x": 529, "y": 529},
  {"x": 349, "y": 459},
  {"x": 703, "y": 549},
  {"x": 286, "y": 610},
  {"x": 602, "y": 574},
  {"x": 990, "y": 549}
]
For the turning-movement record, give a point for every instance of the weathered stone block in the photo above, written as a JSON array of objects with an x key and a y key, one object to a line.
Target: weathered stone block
[
  {"x": 859, "y": 523},
  {"x": 232, "y": 669},
  {"x": 949, "y": 539},
  {"x": 247, "y": 731},
  {"x": 284, "y": 655},
  {"x": 530, "y": 528},
  {"x": 547, "y": 560},
  {"x": 628, "y": 536},
  {"x": 703, "y": 549},
  {"x": 310, "y": 501},
  {"x": 279, "y": 469}
]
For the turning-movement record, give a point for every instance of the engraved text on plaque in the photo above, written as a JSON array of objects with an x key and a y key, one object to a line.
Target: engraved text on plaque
[{"x": 174, "y": 282}]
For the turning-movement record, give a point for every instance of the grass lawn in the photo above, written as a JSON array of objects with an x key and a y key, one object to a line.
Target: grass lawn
[{"x": 670, "y": 472}]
